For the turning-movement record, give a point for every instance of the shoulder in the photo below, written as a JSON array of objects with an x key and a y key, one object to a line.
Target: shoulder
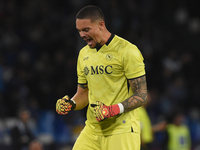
[
  {"x": 184, "y": 126},
  {"x": 84, "y": 50},
  {"x": 125, "y": 45}
]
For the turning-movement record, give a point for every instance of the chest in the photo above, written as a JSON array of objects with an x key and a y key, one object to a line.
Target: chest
[{"x": 109, "y": 63}]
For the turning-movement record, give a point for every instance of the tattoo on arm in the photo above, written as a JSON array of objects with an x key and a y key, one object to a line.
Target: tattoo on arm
[
  {"x": 139, "y": 97},
  {"x": 83, "y": 86}
]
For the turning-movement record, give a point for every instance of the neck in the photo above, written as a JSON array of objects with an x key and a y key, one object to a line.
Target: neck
[{"x": 106, "y": 36}]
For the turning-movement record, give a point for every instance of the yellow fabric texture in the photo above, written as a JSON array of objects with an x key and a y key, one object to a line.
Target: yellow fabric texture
[
  {"x": 146, "y": 127},
  {"x": 179, "y": 137},
  {"x": 115, "y": 142}
]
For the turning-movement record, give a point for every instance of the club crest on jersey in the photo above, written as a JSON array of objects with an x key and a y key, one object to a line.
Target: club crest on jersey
[
  {"x": 86, "y": 70},
  {"x": 109, "y": 57}
]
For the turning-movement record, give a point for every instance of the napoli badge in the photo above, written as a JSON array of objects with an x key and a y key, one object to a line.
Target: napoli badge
[{"x": 109, "y": 56}]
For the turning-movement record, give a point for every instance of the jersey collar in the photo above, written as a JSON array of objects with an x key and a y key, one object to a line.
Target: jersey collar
[
  {"x": 107, "y": 43},
  {"x": 110, "y": 39}
]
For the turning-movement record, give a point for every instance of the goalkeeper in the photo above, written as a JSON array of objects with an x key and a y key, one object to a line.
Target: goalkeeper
[{"x": 111, "y": 81}]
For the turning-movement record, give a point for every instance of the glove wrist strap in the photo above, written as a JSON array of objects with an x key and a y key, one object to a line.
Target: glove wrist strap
[
  {"x": 121, "y": 108},
  {"x": 73, "y": 103}
]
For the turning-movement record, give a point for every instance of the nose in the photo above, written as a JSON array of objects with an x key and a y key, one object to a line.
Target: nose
[{"x": 82, "y": 34}]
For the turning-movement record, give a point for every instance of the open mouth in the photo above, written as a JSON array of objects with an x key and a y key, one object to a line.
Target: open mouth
[{"x": 89, "y": 41}]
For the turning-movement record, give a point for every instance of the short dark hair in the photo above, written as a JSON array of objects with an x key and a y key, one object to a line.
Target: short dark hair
[{"x": 90, "y": 12}]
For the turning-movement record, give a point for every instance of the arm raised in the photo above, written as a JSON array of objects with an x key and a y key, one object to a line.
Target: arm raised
[
  {"x": 81, "y": 96},
  {"x": 139, "y": 88},
  {"x": 77, "y": 102}
]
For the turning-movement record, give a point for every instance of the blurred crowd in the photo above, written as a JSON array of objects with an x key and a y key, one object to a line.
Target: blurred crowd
[{"x": 39, "y": 45}]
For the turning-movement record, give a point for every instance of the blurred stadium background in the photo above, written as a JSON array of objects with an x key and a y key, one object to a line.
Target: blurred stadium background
[{"x": 39, "y": 45}]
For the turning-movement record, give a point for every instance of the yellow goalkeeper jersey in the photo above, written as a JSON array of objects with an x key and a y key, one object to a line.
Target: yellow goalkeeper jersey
[{"x": 106, "y": 71}]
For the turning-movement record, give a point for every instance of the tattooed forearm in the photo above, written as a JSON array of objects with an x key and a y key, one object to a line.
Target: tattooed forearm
[
  {"x": 81, "y": 96},
  {"x": 139, "y": 97},
  {"x": 83, "y": 86}
]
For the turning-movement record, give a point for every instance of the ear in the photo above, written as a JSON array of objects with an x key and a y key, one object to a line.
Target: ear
[{"x": 101, "y": 25}]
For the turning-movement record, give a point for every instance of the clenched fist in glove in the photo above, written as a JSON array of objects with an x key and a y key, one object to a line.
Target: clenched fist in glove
[
  {"x": 102, "y": 111},
  {"x": 64, "y": 105}
]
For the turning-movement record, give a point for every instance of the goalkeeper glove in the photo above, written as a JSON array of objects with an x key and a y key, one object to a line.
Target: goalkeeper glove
[
  {"x": 64, "y": 105},
  {"x": 102, "y": 111}
]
